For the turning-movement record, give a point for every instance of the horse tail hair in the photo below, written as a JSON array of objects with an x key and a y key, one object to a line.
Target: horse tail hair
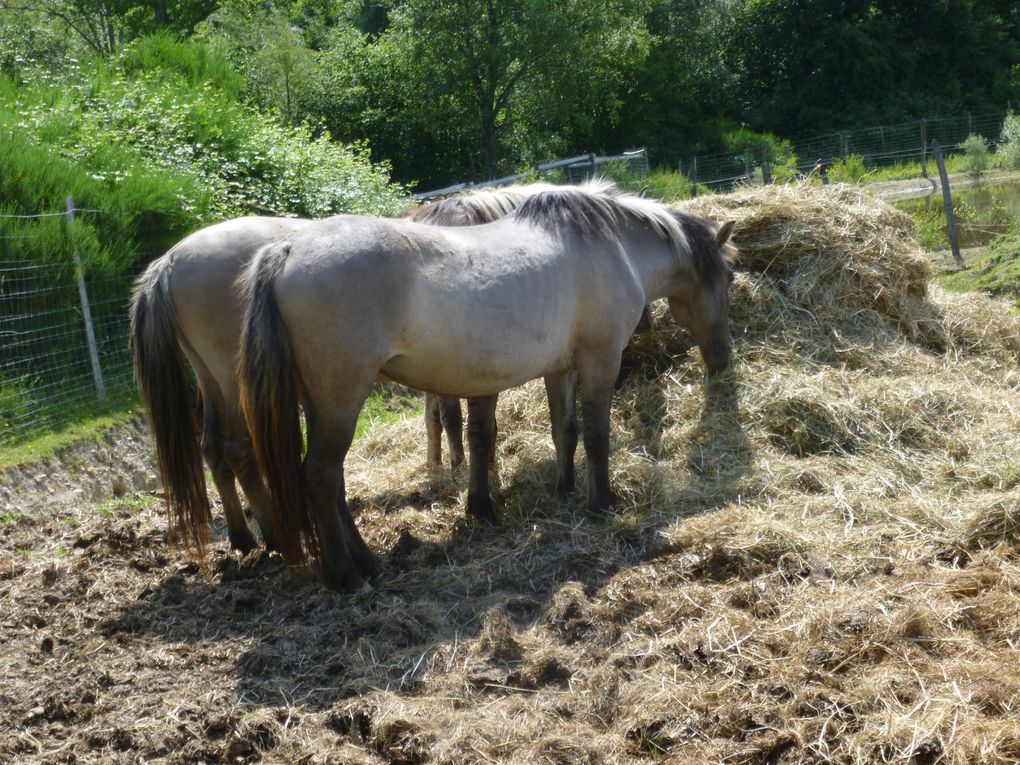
[
  {"x": 161, "y": 373},
  {"x": 270, "y": 401}
]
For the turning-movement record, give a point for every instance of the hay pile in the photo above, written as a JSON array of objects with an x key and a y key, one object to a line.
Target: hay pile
[
  {"x": 815, "y": 556},
  {"x": 815, "y": 560}
]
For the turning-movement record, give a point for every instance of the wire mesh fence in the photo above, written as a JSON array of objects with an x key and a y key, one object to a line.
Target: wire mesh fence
[
  {"x": 880, "y": 146},
  {"x": 877, "y": 147},
  {"x": 50, "y": 373}
]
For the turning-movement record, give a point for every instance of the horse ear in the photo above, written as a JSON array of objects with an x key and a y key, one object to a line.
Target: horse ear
[{"x": 723, "y": 234}]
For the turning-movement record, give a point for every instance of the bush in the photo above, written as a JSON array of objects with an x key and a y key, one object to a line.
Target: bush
[
  {"x": 977, "y": 158},
  {"x": 778, "y": 151},
  {"x": 850, "y": 169},
  {"x": 668, "y": 185},
  {"x": 1009, "y": 148},
  {"x": 160, "y": 109}
]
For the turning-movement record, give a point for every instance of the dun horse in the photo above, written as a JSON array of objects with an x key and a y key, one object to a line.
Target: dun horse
[
  {"x": 553, "y": 290},
  {"x": 185, "y": 309}
]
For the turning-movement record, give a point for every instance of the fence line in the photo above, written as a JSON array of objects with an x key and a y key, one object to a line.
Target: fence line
[
  {"x": 52, "y": 371},
  {"x": 877, "y": 146},
  {"x": 574, "y": 169}
]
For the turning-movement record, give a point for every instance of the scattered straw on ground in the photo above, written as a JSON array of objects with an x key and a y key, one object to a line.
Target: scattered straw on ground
[{"x": 815, "y": 560}]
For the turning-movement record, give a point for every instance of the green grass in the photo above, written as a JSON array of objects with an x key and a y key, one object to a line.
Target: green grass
[
  {"x": 995, "y": 269},
  {"x": 45, "y": 444},
  {"x": 387, "y": 405},
  {"x": 134, "y": 503}
]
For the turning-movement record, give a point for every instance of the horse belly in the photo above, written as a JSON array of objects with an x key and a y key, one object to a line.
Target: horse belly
[{"x": 452, "y": 365}]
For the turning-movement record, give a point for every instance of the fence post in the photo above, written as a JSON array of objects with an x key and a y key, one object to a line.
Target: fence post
[
  {"x": 694, "y": 176},
  {"x": 747, "y": 166},
  {"x": 591, "y": 159},
  {"x": 842, "y": 145},
  {"x": 86, "y": 312},
  {"x": 947, "y": 200},
  {"x": 766, "y": 171},
  {"x": 970, "y": 124},
  {"x": 924, "y": 148}
]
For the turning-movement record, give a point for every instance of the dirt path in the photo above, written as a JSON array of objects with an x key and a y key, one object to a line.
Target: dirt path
[{"x": 912, "y": 188}]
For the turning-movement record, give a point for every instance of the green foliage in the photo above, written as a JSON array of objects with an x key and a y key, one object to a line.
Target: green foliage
[
  {"x": 977, "y": 157},
  {"x": 805, "y": 68},
  {"x": 850, "y": 169},
  {"x": 166, "y": 55},
  {"x": 151, "y": 144},
  {"x": 667, "y": 185},
  {"x": 1008, "y": 152},
  {"x": 995, "y": 270},
  {"x": 133, "y": 126}
]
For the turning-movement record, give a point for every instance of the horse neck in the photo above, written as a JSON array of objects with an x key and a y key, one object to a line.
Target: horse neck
[{"x": 657, "y": 266}]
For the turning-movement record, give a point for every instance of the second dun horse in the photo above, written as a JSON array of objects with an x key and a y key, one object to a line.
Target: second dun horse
[
  {"x": 553, "y": 290},
  {"x": 185, "y": 309}
]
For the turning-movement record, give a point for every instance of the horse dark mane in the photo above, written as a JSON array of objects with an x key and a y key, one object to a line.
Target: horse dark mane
[{"x": 599, "y": 209}]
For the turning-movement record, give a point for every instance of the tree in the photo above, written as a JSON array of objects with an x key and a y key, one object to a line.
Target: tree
[
  {"x": 104, "y": 24},
  {"x": 473, "y": 64}
]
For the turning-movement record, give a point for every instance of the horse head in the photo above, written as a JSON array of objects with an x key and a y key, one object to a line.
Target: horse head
[{"x": 701, "y": 305}]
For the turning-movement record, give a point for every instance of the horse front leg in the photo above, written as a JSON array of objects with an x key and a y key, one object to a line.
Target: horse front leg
[
  {"x": 481, "y": 445},
  {"x": 453, "y": 423},
  {"x": 561, "y": 389},
  {"x": 433, "y": 431},
  {"x": 597, "y": 377}
]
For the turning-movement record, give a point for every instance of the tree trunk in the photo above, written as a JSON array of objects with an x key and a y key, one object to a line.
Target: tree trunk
[{"x": 489, "y": 143}]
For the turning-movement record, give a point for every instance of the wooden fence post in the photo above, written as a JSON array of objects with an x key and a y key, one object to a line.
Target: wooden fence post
[
  {"x": 86, "y": 312},
  {"x": 766, "y": 171},
  {"x": 747, "y": 166},
  {"x": 947, "y": 200},
  {"x": 694, "y": 176},
  {"x": 924, "y": 148}
]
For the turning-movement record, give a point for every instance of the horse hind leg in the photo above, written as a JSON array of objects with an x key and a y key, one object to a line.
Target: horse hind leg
[
  {"x": 214, "y": 451},
  {"x": 433, "y": 431},
  {"x": 241, "y": 459},
  {"x": 346, "y": 559}
]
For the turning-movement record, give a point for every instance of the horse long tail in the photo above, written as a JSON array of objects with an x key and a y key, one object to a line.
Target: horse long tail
[
  {"x": 270, "y": 401},
  {"x": 162, "y": 376}
]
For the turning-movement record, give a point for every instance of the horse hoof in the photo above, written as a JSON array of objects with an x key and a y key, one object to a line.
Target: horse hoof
[
  {"x": 602, "y": 506},
  {"x": 483, "y": 509},
  {"x": 367, "y": 566},
  {"x": 349, "y": 581},
  {"x": 242, "y": 543}
]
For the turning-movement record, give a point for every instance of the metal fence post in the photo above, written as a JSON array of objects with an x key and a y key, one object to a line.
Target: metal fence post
[{"x": 83, "y": 296}]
